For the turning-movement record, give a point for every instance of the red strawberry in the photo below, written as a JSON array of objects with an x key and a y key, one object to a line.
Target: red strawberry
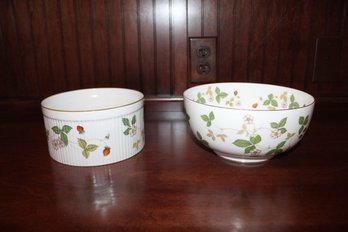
[
  {"x": 254, "y": 105},
  {"x": 80, "y": 129},
  {"x": 235, "y": 93},
  {"x": 106, "y": 151}
]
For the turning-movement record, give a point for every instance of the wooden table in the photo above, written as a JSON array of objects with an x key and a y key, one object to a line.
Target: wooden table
[{"x": 174, "y": 184}]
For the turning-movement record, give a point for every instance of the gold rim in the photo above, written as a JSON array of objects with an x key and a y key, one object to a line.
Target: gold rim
[{"x": 103, "y": 109}]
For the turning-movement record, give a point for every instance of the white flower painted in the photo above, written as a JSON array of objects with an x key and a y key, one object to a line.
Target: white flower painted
[
  {"x": 276, "y": 133},
  {"x": 248, "y": 119}
]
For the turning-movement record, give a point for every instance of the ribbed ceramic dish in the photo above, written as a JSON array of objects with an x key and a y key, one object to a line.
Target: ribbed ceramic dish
[
  {"x": 248, "y": 122},
  {"x": 91, "y": 127}
]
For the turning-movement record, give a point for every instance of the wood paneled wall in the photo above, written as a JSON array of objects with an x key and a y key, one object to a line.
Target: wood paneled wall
[{"x": 52, "y": 46}]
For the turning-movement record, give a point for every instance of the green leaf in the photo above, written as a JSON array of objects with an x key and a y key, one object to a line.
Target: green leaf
[
  {"x": 201, "y": 100},
  {"x": 134, "y": 120},
  {"x": 205, "y": 143},
  {"x": 211, "y": 116},
  {"x": 280, "y": 145},
  {"x": 125, "y": 121},
  {"x": 242, "y": 143},
  {"x": 56, "y": 130},
  {"x": 85, "y": 153},
  {"x": 306, "y": 120},
  {"x": 91, "y": 147},
  {"x": 217, "y": 90},
  {"x": 271, "y": 152},
  {"x": 249, "y": 149},
  {"x": 274, "y": 103},
  {"x": 82, "y": 143},
  {"x": 270, "y": 97},
  {"x": 223, "y": 95},
  {"x": 220, "y": 96},
  {"x": 64, "y": 138},
  {"x": 66, "y": 128},
  {"x": 126, "y": 132},
  {"x": 282, "y": 122},
  {"x": 205, "y": 118},
  {"x": 199, "y": 136},
  {"x": 274, "y": 125},
  {"x": 218, "y": 99},
  {"x": 283, "y": 130},
  {"x": 266, "y": 103},
  {"x": 300, "y": 130},
  {"x": 296, "y": 105},
  {"x": 301, "y": 120},
  {"x": 292, "y": 98},
  {"x": 256, "y": 139}
]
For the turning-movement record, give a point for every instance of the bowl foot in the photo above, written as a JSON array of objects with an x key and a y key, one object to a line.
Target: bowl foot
[{"x": 240, "y": 160}]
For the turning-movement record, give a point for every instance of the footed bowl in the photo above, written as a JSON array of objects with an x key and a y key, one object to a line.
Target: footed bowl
[{"x": 248, "y": 122}]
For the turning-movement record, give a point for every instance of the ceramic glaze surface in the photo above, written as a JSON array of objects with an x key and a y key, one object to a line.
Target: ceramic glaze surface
[
  {"x": 93, "y": 127},
  {"x": 247, "y": 122}
]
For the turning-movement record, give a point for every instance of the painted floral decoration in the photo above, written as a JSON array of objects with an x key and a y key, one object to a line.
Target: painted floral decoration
[
  {"x": 132, "y": 131},
  {"x": 60, "y": 140},
  {"x": 251, "y": 136},
  {"x": 232, "y": 98}
]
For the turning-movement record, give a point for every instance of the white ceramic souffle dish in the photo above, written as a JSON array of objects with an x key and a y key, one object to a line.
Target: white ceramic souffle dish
[
  {"x": 248, "y": 122},
  {"x": 91, "y": 127}
]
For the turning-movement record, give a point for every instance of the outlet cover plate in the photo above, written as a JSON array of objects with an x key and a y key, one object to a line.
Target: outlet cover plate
[{"x": 202, "y": 59}]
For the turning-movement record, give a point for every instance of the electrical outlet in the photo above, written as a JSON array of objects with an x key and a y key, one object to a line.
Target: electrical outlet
[
  {"x": 202, "y": 59},
  {"x": 327, "y": 59}
]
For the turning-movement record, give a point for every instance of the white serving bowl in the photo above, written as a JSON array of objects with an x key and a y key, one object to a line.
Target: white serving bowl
[
  {"x": 248, "y": 122},
  {"x": 91, "y": 127}
]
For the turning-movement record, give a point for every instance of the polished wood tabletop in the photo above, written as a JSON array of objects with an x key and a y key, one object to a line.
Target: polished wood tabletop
[{"x": 174, "y": 184}]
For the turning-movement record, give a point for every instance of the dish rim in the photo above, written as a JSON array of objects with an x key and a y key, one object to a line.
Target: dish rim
[
  {"x": 91, "y": 110},
  {"x": 248, "y": 109}
]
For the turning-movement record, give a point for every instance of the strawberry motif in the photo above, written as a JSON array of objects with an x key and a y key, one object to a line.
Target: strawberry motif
[
  {"x": 80, "y": 129},
  {"x": 106, "y": 151}
]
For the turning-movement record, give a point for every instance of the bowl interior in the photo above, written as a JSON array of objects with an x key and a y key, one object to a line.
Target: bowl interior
[
  {"x": 92, "y": 99},
  {"x": 249, "y": 96}
]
